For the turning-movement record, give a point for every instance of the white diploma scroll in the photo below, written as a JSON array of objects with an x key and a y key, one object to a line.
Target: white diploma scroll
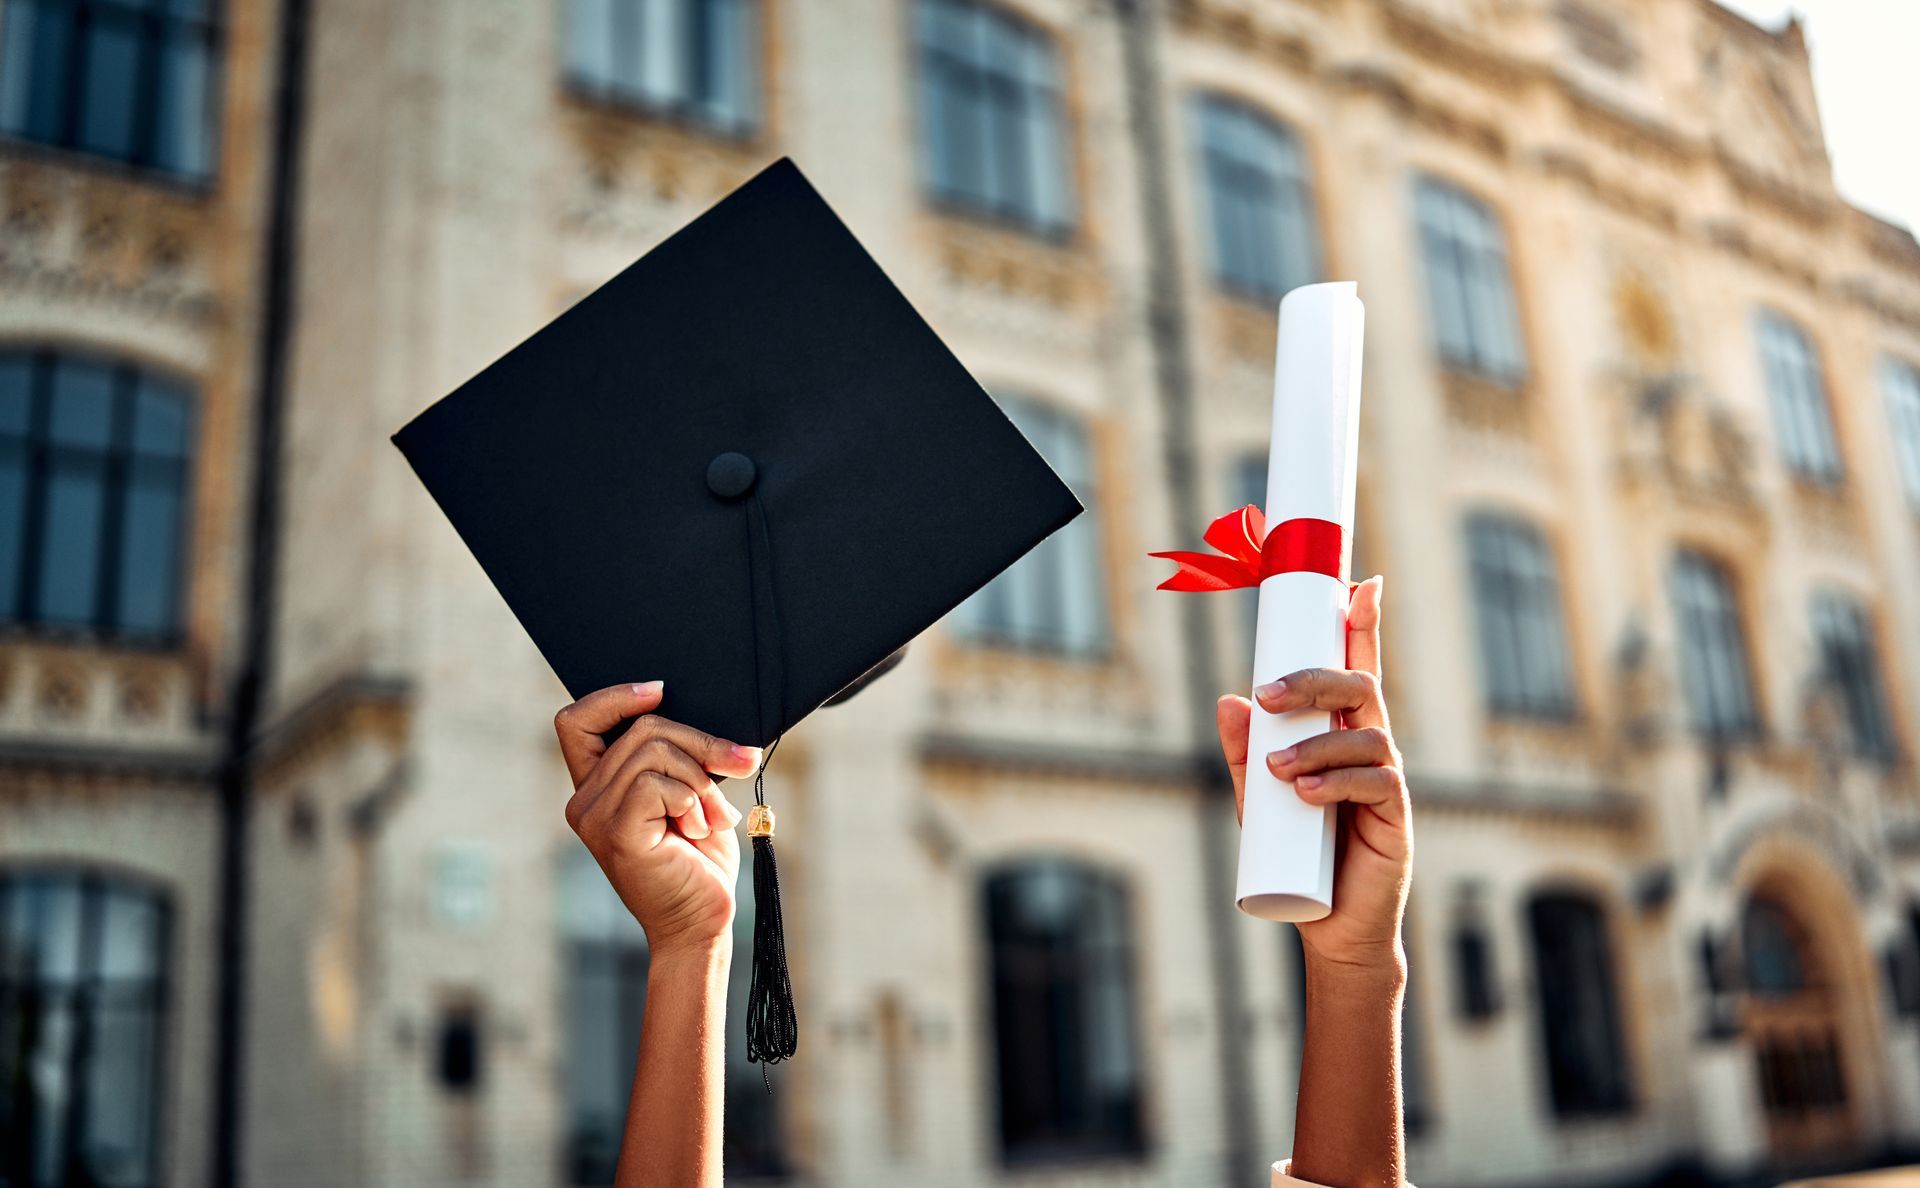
[{"x": 1286, "y": 845}]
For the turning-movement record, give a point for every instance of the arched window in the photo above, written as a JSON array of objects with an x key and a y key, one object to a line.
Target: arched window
[
  {"x": 992, "y": 120},
  {"x": 1851, "y": 663},
  {"x": 1579, "y": 1013},
  {"x": 1054, "y": 598},
  {"x": 1798, "y": 394},
  {"x": 1469, "y": 282},
  {"x": 1259, "y": 198},
  {"x": 1064, "y": 1016},
  {"x": 83, "y": 971},
  {"x": 131, "y": 80},
  {"x": 1713, "y": 649},
  {"x": 1523, "y": 638},
  {"x": 604, "y": 959},
  {"x": 94, "y": 459}
]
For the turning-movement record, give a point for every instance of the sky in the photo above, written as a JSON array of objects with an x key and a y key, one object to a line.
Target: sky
[{"x": 1866, "y": 72}]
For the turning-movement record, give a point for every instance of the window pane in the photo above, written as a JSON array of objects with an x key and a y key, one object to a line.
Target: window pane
[
  {"x": 82, "y": 410},
  {"x": 72, "y": 527},
  {"x": 664, "y": 45},
  {"x": 159, "y": 420},
  {"x": 112, "y": 66},
  {"x": 123, "y": 1048},
  {"x": 589, "y": 41},
  {"x": 1901, "y": 383},
  {"x": 34, "y": 45},
  {"x": 183, "y": 123},
  {"x": 130, "y": 936}
]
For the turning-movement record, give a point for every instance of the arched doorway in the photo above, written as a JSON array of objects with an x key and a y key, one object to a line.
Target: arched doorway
[{"x": 1793, "y": 1024}]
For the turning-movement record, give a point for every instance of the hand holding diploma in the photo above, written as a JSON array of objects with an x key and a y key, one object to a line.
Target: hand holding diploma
[{"x": 1355, "y": 767}]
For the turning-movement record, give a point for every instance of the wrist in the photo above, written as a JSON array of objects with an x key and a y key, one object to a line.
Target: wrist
[
  {"x": 690, "y": 952},
  {"x": 1381, "y": 968}
]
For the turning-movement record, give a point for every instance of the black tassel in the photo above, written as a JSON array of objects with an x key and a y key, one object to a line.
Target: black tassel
[{"x": 773, "y": 1030}]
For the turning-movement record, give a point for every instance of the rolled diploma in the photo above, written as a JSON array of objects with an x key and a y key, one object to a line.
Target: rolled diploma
[{"x": 1286, "y": 845}]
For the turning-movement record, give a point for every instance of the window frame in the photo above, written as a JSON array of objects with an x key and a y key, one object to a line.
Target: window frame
[
  {"x": 93, "y": 885},
  {"x": 1527, "y": 586},
  {"x": 624, "y": 85},
  {"x": 992, "y": 616},
  {"x": 1616, "y": 1095},
  {"x": 1862, "y": 683},
  {"x": 1291, "y": 207},
  {"x": 1799, "y": 399},
  {"x": 1900, "y": 389},
  {"x": 1134, "y": 1141},
  {"x": 1043, "y": 120},
  {"x": 1708, "y": 720},
  {"x": 20, "y": 610},
  {"x": 158, "y": 25},
  {"x": 1484, "y": 314}
]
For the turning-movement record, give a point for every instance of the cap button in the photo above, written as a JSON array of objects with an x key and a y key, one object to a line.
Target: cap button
[{"x": 731, "y": 475}]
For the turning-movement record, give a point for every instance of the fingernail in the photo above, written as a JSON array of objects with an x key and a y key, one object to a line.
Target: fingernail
[
  {"x": 648, "y": 688},
  {"x": 1286, "y": 756},
  {"x": 1273, "y": 691},
  {"x": 1307, "y": 781},
  {"x": 746, "y": 754}
]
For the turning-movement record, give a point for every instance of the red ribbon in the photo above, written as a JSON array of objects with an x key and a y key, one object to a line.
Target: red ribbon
[{"x": 1249, "y": 554}]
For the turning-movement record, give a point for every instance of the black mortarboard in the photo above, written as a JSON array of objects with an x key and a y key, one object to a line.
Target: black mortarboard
[{"x": 744, "y": 466}]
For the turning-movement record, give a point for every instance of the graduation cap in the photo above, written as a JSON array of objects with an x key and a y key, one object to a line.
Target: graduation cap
[{"x": 743, "y": 466}]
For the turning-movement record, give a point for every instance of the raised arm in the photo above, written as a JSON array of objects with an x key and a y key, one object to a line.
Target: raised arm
[
  {"x": 663, "y": 834},
  {"x": 1347, "y": 1129}
]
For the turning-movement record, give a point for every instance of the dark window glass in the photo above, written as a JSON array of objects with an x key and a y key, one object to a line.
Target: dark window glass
[
  {"x": 1259, "y": 200},
  {"x": 1850, "y": 663},
  {"x": 1476, "y": 987},
  {"x": 694, "y": 59},
  {"x": 1579, "y": 1014},
  {"x": 992, "y": 122},
  {"x": 93, "y": 485},
  {"x": 1798, "y": 394},
  {"x": 604, "y": 955},
  {"x": 1469, "y": 283},
  {"x": 1064, "y": 1015},
  {"x": 124, "y": 79},
  {"x": 1713, "y": 650},
  {"x": 1054, "y": 598},
  {"x": 1523, "y": 639},
  {"x": 82, "y": 990}
]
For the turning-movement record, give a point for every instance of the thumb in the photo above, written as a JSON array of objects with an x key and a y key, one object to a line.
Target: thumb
[
  {"x": 1234, "y": 716},
  {"x": 581, "y": 725}
]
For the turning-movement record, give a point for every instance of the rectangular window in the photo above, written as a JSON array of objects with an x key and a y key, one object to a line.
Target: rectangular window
[
  {"x": 992, "y": 125},
  {"x": 1054, "y": 598},
  {"x": 1712, "y": 648},
  {"x": 82, "y": 984},
  {"x": 129, "y": 80},
  {"x": 697, "y": 60},
  {"x": 94, "y": 468},
  {"x": 1798, "y": 393},
  {"x": 1523, "y": 644},
  {"x": 1259, "y": 199},
  {"x": 1849, "y": 663},
  {"x": 1469, "y": 283},
  {"x": 1064, "y": 1016},
  {"x": 1900, "y": 381}
]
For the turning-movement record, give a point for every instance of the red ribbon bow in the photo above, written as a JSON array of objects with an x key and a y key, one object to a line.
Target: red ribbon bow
[{"x": 1249, "y": 554}]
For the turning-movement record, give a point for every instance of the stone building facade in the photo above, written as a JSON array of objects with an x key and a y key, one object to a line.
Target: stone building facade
[{"x": 1640, "y": 458}]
